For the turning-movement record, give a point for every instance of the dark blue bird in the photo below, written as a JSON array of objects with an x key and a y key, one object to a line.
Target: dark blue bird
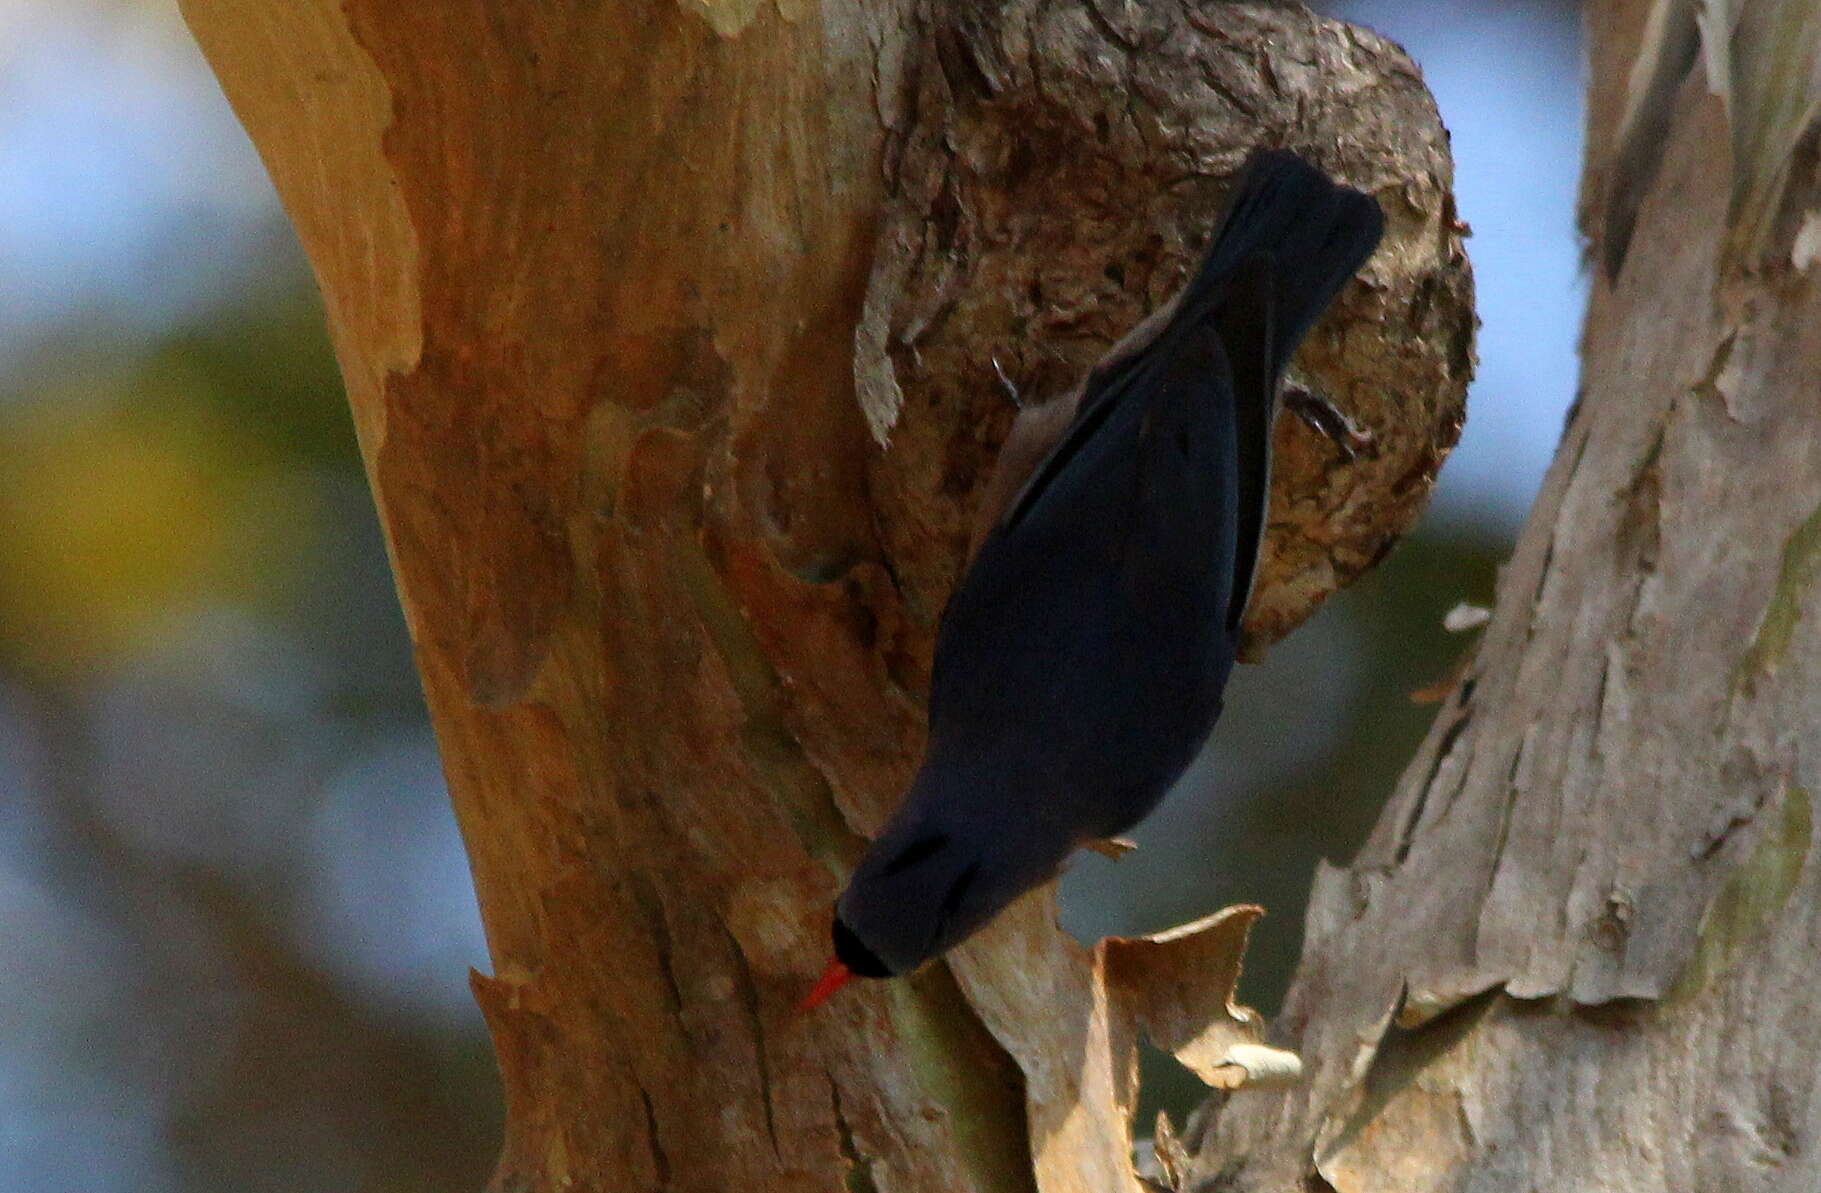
[{"x": 1080, "y": 661}]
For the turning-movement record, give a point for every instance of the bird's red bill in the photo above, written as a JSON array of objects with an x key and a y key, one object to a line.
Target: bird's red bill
[{"x": 835, "y": 976}]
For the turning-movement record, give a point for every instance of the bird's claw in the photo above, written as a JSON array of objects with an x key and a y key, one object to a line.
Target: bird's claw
[
  {"x": 1011, "y": 387},
  {"x": 1328, "y": 420}
]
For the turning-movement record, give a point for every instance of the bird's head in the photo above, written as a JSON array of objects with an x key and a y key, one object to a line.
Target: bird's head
[
  {"x": 852, "y": 960},
  {"x": 924, "y": 887}
]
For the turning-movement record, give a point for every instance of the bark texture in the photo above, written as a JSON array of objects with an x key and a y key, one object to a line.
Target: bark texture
[
  {"x": 668, "y": 330},
  {"x": 1578, "y": 950}
]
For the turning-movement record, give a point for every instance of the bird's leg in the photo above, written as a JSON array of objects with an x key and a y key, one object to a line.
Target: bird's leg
[
  {"x": 1439, "y": 691},
  {"x": 1011, "y": 387},
  {"x": 1113, "y": 847},
  {"x": 1327, "y": 420}
]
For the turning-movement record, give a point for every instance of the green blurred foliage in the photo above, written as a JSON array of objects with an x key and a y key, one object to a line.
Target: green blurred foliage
[
  {"x": 179, "y": 476},
  {"x": 145, "y": 488}
]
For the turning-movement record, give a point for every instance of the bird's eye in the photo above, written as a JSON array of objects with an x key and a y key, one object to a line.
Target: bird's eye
[
  {"x": 854, "y": 954},
  {"x": 951, "y": 902},
  {"x": 913, "y": 853}
]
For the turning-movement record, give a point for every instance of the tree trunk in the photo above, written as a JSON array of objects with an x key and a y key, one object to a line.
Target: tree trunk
[
  {"x": 669, "y": 331},
  {"x": 1577, "y": 952}
]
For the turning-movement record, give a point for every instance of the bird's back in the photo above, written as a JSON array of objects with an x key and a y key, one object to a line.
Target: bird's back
[
  {"x": 1086, "y": 649},
  {"x": 1081, "y": 659}
]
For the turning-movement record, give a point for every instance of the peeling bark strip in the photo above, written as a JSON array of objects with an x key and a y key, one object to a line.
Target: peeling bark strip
[
  {"x": 668, "y": 329},
  {"x": 1592, "y": 968}
]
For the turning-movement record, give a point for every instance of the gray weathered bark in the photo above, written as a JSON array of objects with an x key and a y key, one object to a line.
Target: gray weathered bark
[{"x": 1579, "y": 949}]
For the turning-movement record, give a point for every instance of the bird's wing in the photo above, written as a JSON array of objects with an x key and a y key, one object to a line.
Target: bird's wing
[
  {"x": 1098, "y": 404},
  {"x": 1194, "y": 407},
  {"x": 1247, "y": 324}
]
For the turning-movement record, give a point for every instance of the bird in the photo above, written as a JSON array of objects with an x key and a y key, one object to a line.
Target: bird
[{"x": 1082, "y": 656}]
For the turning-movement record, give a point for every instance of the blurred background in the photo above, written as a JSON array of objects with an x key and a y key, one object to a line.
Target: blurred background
[{"x": 234, "y": 906}]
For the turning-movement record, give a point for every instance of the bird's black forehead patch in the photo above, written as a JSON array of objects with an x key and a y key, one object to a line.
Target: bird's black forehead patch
[{"x": 855, "y": 955}]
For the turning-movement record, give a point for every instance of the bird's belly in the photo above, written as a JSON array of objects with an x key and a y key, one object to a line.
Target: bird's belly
[
  {"x": 1107, "y": 725},
  {"x": 1165, "y": 726}
]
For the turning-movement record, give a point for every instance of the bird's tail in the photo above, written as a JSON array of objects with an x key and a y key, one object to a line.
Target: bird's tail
[{"x": 1316, "y": 233}]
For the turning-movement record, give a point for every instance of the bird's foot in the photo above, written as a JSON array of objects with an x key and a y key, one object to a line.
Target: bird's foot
[
  {"x": 1011, "y": 387},
  {"x": 1439, "y": 691},
  {"x": 1328, "y": 420},
  {"x": 1113, "y": 847}
]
